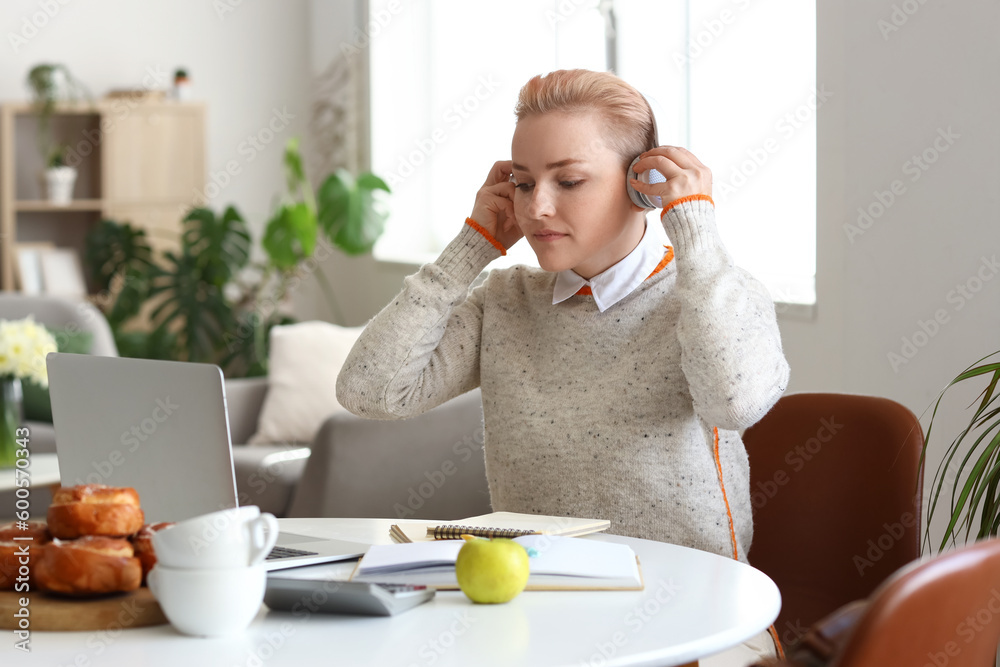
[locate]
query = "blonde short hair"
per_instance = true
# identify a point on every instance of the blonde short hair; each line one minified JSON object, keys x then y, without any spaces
{"x":629,"y":118}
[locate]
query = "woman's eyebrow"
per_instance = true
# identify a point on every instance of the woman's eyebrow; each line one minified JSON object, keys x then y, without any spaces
{"x":551,"y":165}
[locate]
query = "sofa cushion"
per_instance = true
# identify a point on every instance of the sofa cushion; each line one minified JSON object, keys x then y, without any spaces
{"x":303,"y":365}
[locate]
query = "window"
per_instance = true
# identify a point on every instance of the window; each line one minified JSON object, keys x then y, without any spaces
{"x":732,"y":80}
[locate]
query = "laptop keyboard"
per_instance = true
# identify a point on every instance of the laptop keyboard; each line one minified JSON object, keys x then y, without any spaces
{"x":285,"y":552}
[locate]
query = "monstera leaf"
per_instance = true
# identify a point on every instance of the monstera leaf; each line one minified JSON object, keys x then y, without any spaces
{"x":193,"y":308}
{"x":290,"y":236}
{"x":219,"y":245}
{"x":112,"y":247}
{"x":350,"y":212}
{"x":119,"y":249}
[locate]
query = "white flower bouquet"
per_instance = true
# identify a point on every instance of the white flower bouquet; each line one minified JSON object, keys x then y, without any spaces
{"x":23,"y":347}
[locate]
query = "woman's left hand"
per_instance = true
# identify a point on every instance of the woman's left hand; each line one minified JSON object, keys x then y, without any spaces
{"x":685,"y":174}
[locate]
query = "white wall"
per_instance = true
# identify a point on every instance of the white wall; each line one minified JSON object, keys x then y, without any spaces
{"x":894,"y":91}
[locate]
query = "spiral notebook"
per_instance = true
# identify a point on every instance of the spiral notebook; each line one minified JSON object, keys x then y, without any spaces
{"x":559,"y":563}
{"x":497,"y":524}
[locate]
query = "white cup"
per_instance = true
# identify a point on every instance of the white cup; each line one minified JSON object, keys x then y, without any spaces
{"x":209,"y":603}
{"x":226,"y":539}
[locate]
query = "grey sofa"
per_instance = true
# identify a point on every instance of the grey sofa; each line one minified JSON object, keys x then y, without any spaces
{"x":429,"y":466}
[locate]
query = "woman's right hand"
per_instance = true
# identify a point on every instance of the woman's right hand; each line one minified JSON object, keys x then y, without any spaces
{"x":494,"y":207}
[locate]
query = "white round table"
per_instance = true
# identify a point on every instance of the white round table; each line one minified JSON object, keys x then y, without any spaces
{"x":694,"y":604}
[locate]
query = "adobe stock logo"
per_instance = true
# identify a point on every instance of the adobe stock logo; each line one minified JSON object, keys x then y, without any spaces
{"x":883,"y":544}
{"x":796,"y":460}
{"x":899,"y":17}
{"x":959,"y":297}
{"x":915,"y":167}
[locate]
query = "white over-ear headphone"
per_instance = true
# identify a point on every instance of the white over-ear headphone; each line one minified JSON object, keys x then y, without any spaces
{"x":649,"y":176}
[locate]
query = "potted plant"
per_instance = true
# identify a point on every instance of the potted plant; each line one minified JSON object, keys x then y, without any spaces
{"x":346,"y":209}
{"x":210,"y":302}
{"x":50,"y":84}
{"x":59,"y":177}
{"x":972,"y":488}
{"x":182,"y":85}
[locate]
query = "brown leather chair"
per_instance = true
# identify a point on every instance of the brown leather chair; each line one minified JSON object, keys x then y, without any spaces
{"x":945,"y":611}
{"x":836,"y":487}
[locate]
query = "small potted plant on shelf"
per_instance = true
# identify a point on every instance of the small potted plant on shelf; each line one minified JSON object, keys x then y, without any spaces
{"x":59,"y":177}
{"x":51,"y":84}
{"x":182,"y":85}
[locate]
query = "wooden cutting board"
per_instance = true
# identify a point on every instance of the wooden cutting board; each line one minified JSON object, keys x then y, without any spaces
{"x":48,"y":612}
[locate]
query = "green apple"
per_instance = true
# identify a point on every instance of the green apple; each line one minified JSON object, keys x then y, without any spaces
{"x":492,"y":571}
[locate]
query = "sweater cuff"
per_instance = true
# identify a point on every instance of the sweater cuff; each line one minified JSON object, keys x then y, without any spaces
{"x":690,"y":224}
{"x":489,"y":237}
{"x":467,"y":255}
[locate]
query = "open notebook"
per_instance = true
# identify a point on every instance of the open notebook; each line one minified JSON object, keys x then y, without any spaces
{"x":560,"y":563}
{"x":501,"y":521}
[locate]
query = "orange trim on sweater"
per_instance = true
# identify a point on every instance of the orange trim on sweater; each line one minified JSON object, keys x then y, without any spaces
{"x":732,"y":536}
{"x":678,"y":202}
{"x":667,"y":257}
{"x":725,"y":498}
{"x":489,"y":237}
{"x":777,"y":642}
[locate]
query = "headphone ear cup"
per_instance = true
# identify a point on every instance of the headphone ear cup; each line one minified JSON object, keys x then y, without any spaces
{"x":650,"y":175}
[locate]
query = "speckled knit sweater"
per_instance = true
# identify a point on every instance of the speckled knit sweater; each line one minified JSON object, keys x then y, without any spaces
{"x":609,"y":415}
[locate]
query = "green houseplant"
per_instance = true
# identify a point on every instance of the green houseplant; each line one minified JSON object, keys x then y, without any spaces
{"x":345,"y":209}
{"x":50,"y":83}
{"x":210,"y":302}
{"x":973,"y":499}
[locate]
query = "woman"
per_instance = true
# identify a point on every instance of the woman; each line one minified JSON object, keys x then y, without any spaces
{"x":616,"y":377}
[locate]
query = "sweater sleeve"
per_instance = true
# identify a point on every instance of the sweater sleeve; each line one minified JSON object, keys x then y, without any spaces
{"x":730,"y":344}
{"x":422,"y":349}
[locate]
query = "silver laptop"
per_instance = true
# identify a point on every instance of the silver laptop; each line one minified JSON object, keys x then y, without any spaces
{"x":161,"y":427}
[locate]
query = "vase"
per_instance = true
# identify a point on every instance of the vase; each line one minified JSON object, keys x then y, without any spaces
{"x":11,"y":417}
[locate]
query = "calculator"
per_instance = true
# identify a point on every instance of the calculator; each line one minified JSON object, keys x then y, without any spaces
{"x":305,"y":596}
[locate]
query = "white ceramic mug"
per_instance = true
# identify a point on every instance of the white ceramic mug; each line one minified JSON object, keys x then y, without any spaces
{"x":209,"y":603}
{"x":226,"y":539}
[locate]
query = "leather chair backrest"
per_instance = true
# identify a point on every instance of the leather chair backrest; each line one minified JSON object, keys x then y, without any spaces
{"x":945,"y":611}
{"x":836,"y":490}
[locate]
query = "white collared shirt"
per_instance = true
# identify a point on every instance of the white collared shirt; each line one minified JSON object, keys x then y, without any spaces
{"x":618,"y":281}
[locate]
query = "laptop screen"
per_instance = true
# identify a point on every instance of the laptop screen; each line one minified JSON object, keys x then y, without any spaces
{"x":158,"y":426}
